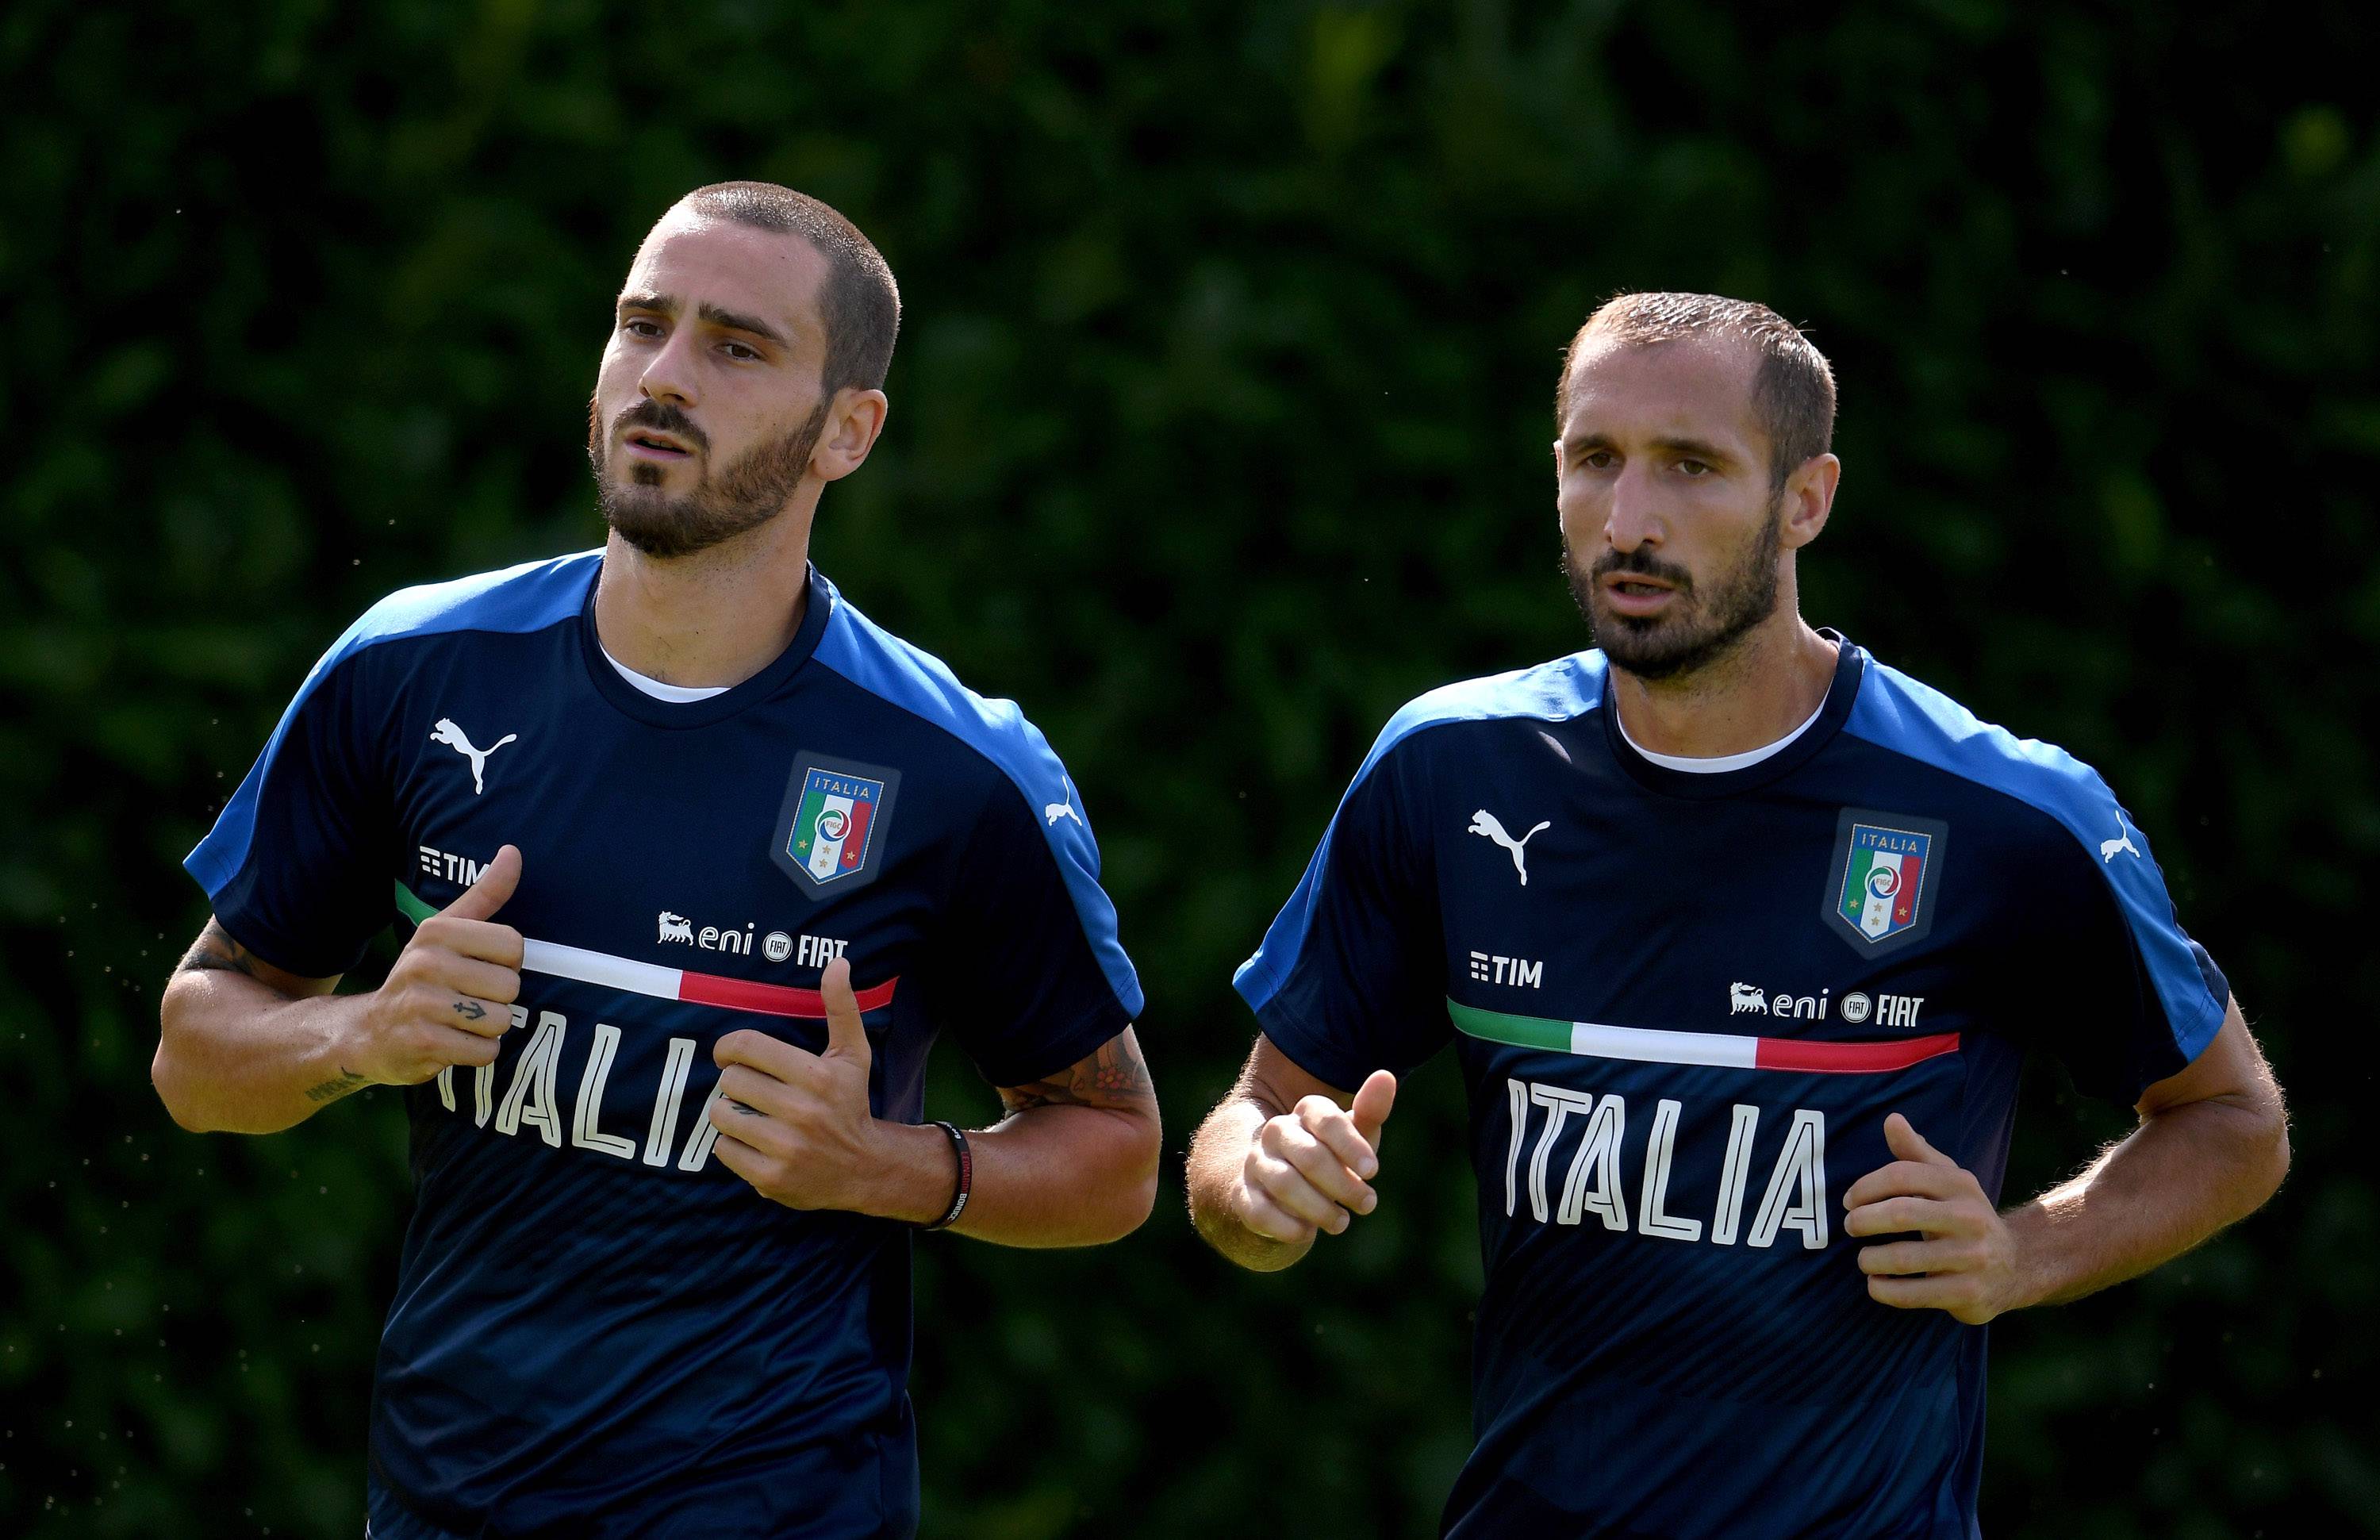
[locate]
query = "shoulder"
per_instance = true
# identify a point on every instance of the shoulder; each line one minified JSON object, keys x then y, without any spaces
{"x":916,"y":681}
{"x":1559,"y":690}
{"x":529,"y":597}
{"x":515,"y":600}
{"x":1907,"y":717}
{"x":1900,"y":715}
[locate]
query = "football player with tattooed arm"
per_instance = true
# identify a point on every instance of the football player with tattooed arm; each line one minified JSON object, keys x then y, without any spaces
{"x":1740,"y":938}
{"x":696,"y":862}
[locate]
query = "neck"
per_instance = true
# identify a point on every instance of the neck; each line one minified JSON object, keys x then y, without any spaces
{"x":715,"y":618}
{"x":1755,"y":693}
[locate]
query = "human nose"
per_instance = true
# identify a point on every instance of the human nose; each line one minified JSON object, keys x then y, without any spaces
{"x":1632,"y":519}
{"x":669,"y":373}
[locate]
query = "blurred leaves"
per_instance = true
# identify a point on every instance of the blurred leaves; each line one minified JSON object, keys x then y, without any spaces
{"x":1220,"y":430}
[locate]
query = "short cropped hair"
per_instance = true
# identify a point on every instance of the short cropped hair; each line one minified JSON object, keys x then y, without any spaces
{"x":859,"y":305}
{"x":1792,"y":392}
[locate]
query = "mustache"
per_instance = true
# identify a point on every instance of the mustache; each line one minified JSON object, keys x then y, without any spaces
{"x":663,"y":417}
{"x":1641,"y":563}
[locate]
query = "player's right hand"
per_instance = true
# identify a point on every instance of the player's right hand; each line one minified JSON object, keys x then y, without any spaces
{"x":1310,"y":1169}
{"x":448,"y":998}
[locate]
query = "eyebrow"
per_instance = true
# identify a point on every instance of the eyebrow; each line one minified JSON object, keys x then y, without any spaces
{"x":733,"y":320}
{"x":1695,"y":449}
{"x":1692,"y":449}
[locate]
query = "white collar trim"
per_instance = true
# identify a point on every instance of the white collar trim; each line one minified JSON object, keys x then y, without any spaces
{"x":1718,"y":764}
{"x":676,"y":693}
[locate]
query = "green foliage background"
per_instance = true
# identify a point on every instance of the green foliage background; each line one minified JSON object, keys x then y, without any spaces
{"x":1220,"y":430}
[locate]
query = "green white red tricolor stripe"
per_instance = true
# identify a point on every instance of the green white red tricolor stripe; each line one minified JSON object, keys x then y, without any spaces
{"x":1719,"y":1050}
{"x":631,"y":977}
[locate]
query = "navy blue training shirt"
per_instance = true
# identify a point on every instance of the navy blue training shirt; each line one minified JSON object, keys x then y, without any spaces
{"x":1684,"y":1004}
{"x":600,"y":1330}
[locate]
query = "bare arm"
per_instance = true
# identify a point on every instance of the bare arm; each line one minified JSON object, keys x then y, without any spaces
{"x":1283,"y":1157}
{"x":244,"y":1047}
{"x":1073,"y":1164}
{"x":2212,"y":1145}
{"x":1075,"y":1161}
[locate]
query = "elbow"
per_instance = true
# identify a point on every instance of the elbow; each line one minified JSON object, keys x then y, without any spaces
{"x":170,"y":1076}
{"x":1136,"y":1192}
{"x":2270,"y":1140}
{"x":2259,"y":1153}
{"x":171,"y":1090}
{"x":1141,"y":1202}
{"x":1131,"y":1185}
{"x":2275,"y":1152}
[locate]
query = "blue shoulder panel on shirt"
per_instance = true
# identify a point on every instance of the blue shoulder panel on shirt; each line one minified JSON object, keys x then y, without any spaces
{"x":1899,"y":713}
{"x":922,"y":684}
{"x":1556,"y":691}
{"x":526,"y":598}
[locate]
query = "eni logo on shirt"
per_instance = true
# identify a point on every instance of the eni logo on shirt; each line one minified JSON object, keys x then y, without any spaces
{"x":677,"y":927}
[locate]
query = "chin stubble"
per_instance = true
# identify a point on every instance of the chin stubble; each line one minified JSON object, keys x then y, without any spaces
{"x":748,"y":494}
{"x":1677,"y":645}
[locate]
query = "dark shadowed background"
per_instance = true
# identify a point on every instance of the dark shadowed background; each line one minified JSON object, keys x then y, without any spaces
{"x":1220,"y":428}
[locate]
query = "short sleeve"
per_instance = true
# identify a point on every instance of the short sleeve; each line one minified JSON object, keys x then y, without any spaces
{"x":1350,"y":975}
{"x":2111,"y":983}
{"x":1026,"y":969}
{"x":293,"y":866}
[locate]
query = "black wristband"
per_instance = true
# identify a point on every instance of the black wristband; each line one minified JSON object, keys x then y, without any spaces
{"x":966,"y":1177}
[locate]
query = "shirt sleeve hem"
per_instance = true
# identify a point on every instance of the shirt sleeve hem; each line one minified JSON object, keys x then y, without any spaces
{"x":2196,"y":1041}
{"x":1100,"y":1024}
{"x":1307,"y":1050}
{"x":2200,"y":1035}
{"x":242,"y":925}
{"x":2187,"y":1047}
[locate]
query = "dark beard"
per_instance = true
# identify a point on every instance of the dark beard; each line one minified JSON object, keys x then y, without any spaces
{"x":745,"y":496}
{"x":1697,"y":631}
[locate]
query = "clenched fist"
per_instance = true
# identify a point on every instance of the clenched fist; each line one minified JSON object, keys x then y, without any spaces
{"x":449,"y":997}
{"x":1310,"y":1169}
{"x":1963,"y":1259}
{"x":796,"y":1124}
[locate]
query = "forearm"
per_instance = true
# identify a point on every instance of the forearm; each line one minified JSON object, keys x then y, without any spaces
{"x":237,"y":1056}
{"x":1218,"y":1158}
{"x":2182,"y":1176}
{"x":1053,"y":1176}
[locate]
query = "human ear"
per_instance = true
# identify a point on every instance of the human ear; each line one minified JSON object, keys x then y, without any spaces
{"x":1810,"y":498}
{"x":853,"y":422}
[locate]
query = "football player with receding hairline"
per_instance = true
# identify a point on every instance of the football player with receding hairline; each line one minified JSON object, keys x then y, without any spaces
{"x":1739,"y":937}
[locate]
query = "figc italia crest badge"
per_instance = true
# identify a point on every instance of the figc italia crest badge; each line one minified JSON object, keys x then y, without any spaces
{"x":1886,"y":878}
{"x":833,"y":826}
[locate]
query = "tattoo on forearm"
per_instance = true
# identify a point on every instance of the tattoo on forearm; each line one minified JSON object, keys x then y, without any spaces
{"x":332,"y":1090}
{"x":215,"y":952}
{"x":469,"y":1010}
{"x":1114,"y":1076}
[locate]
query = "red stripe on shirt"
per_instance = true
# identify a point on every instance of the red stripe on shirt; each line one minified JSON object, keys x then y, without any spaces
{"x":1785,"y":1053}
{"x":772,"y":999}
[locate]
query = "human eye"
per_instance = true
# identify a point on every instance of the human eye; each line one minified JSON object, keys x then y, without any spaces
{"x":740,"y":352}
{"x":1598,"y":459}
{"x":1693,"y":469}
{"x":641,"y":326}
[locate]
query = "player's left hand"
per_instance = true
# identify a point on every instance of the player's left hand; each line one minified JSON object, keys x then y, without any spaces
{"x":1964,"y":1260}
{"x":796,"y":1125}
